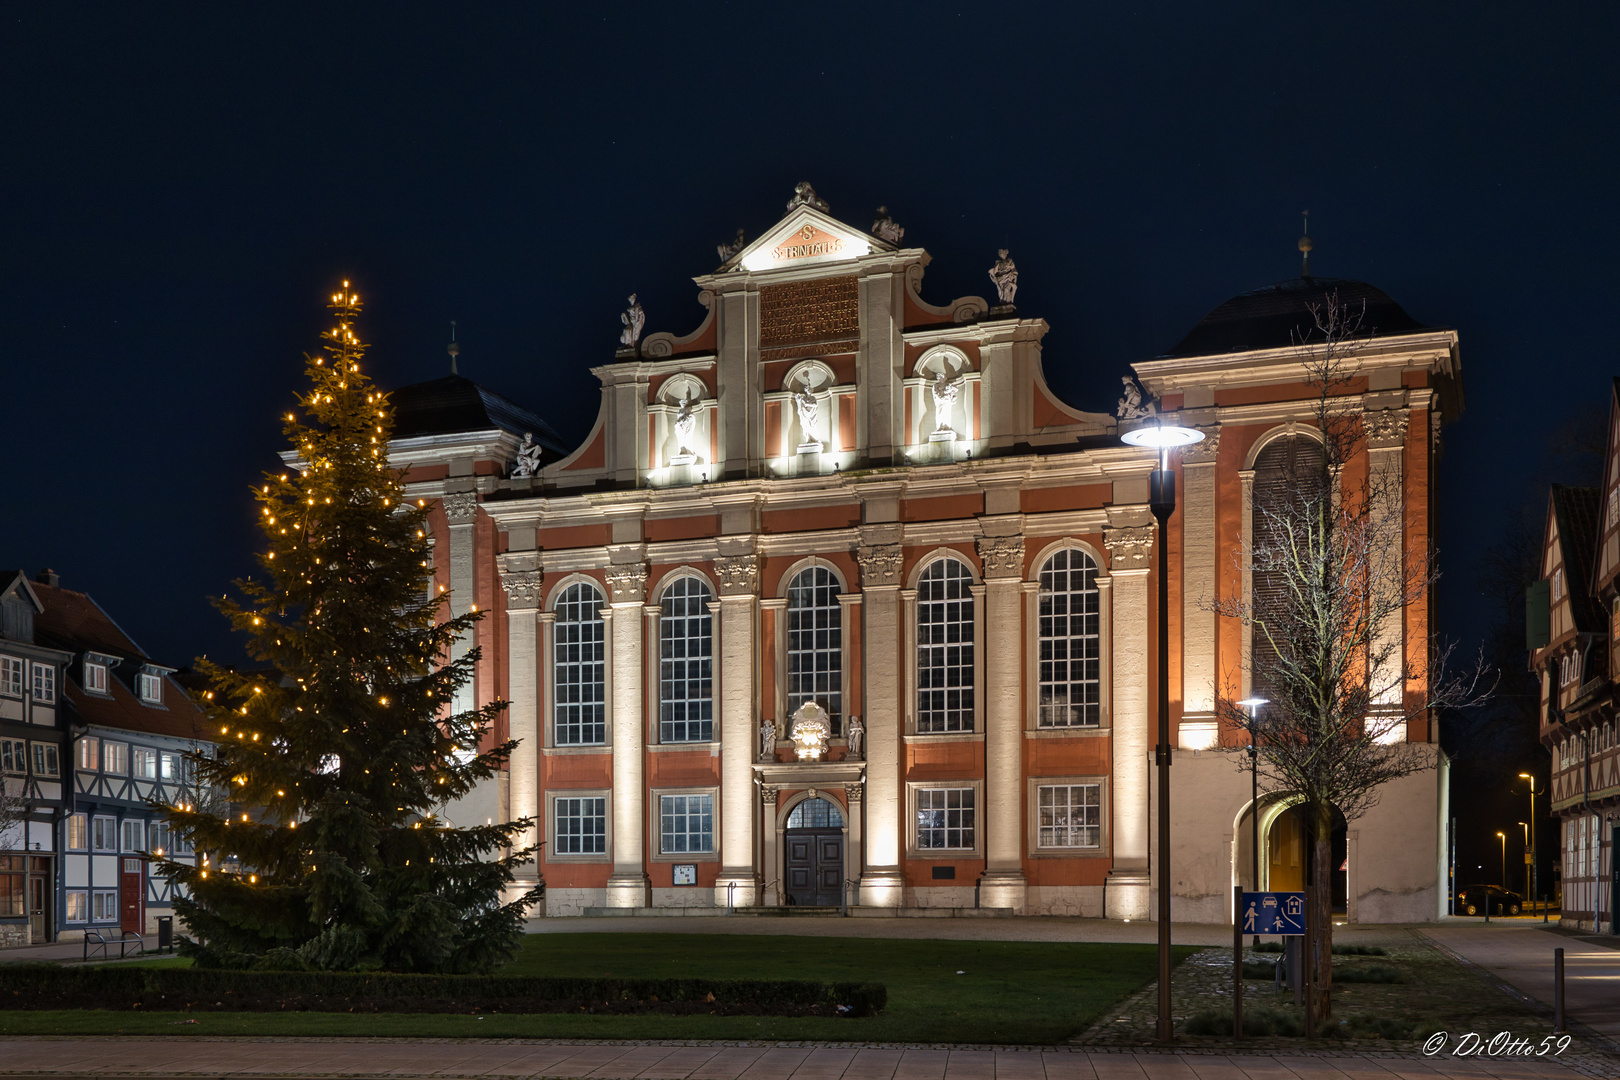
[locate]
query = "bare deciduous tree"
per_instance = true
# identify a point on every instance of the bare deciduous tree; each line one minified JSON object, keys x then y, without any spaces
{"x":1339,"y":573}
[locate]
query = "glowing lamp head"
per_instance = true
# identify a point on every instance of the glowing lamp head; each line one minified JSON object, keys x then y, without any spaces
{"x":1254,"y":702}
{"x":1163,"y":436}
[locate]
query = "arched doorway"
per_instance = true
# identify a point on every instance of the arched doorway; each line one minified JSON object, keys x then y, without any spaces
{"x":814,"y":853}
{"x":1287,"y":853}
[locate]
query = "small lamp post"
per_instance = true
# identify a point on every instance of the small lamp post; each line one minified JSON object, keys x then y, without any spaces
{"x":1253,"y":705}
{"x":1162,"y":502}
{"x":1503,"y":837}
{"x":1534,"y":884}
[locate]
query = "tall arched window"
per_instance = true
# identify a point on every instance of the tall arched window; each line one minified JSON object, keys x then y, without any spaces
{"x":1286,"y":473}
{"x":579,"y":675}
{"x":1070,"y":644}
{"x":686,"y":659}
{"x":945,"y":648}
{"x":815,"y":643}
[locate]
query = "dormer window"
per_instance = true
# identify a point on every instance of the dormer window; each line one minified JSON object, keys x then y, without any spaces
{"x":150,"y":688}
{"x":95,"y":676}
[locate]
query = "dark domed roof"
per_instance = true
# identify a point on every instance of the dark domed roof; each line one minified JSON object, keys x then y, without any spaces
{"x":455,"y":404}
{"x":1276,"y":316}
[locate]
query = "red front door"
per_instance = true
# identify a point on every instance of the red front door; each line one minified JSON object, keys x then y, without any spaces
{"x":132,"y":895}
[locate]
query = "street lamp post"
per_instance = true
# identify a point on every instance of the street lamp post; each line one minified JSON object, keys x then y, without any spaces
{"x":1531,"y":783}
{"x":1162,"y":502}
{"x":1503,"y":837}
{"x":1253,"y":705}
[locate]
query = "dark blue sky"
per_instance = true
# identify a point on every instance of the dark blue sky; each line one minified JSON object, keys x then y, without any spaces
{"x":183,"y":185}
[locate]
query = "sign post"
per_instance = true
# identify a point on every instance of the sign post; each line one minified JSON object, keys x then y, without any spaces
{"x":1237,"y":962}
{"x":1282,"y":914}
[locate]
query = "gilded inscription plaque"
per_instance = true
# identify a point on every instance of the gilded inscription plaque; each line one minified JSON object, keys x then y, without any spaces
{"x":802,"y":311}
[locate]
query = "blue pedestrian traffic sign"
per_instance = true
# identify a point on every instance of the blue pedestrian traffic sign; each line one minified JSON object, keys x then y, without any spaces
{"x":1274,"y":913}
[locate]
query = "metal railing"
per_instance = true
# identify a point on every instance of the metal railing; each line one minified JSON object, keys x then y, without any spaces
{"x":93,"y":939}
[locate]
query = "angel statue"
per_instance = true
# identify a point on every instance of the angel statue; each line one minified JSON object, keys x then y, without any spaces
{"x":527,"y":462}
{"x":633,"y":319}
{"x":855,"y":737}
{"x":944,"y":390}
{"x":729,"y":251}
{"x":767,"y":739}
{"x":1131,"y":405}
{"x":804,"y":400}
{"x":686,"y":422}
{"x":1005,"y":275}
{"x":885,"y":229}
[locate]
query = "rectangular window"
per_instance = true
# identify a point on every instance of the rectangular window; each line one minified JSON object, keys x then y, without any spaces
{"x":579,"y":679}
{"x":945,"y":667}
{"x":45,"y":761}
{"x":95,"y":677}
{"x":945,"y":819}
{"x":12,"y":880}
{"x":78,"y":832}
{"x":1558,"y":584}
{"x":89,"y":758}
{"x":115,"y":757}
{"x":44,"y":683}
{"x":11,"y":676}
{"x":169,"y":766}
{"x":687,"y":824}
{"x":104,"y":907}
{"x":1070,"y":816}
{"x":815,"y":644}
{"x":145,"y":763}
{"x":581,"y":826}
{"x":13,"y":757}
{"x":686,"y":656}
{"x":150,"y":687}
{"x":133,"y":833}
{"x":1069,"y":625}
{"x":103,"y":834}
{"x":78,"y":906}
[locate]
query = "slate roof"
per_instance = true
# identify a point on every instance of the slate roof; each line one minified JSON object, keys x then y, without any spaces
{"x":1576,"y":511}
{"x":455,"y":404}
{"x":1272,"y":317}
{"x":74,"y":622}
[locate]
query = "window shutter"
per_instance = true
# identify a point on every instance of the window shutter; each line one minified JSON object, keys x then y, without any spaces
{"x":1537,"y":614}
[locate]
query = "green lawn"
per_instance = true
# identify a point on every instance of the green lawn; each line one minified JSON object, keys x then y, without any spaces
{"x":1007,"y":992}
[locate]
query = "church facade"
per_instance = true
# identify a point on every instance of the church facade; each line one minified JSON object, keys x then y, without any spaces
{"x":838,"y":603}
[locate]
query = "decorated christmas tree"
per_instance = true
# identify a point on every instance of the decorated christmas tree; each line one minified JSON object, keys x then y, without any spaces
{"x":341,"y":753}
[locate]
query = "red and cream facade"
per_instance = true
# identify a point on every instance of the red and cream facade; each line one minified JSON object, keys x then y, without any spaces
{"x":828,"y":451}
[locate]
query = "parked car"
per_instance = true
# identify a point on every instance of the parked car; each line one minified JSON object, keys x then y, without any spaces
{"x":1502,"y":901}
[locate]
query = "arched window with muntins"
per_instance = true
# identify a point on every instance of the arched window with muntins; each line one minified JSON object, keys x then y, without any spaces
{"x":579,"y":669}
{"x":945,"y":648}
{"x":1070,"y":643}
{"x":1286,"y":471}
{"x":685,"y":663}
{"x":815,"y":814}
{"x":815,"y":643}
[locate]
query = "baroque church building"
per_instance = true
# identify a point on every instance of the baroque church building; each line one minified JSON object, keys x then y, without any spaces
{"x":837,"y":602}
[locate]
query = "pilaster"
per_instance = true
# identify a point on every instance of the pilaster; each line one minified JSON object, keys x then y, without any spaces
{"x":627,"y":585}
{"x":521,"y":580}
{"x":1199,"y":728}
{"x":881,"y":881}
{"x":1003,"y":884}
{"x":738,"y":577}
{"x":1130,"y":551}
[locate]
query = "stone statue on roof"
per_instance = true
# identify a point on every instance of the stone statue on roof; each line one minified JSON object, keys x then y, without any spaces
{"x":527,"y":462}
{"x":633,"y":319}
{"x":1005,"y":275}
{"x":729,"y":251}
{"x":1133,"y":404}
{"x":805,"y":195}
{"x":885,"y":229}
{"x":809,"y":408}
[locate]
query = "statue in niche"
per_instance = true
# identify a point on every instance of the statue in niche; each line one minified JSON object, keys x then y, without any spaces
{"x":884,"y":227}
{"x":1005,"y":275}
{"x":527,"y":462}
{"x":767,"y":739}
{"x":855,"y":736}
{"x":686,"y":422}
{"x":1133,"y":405}
{"x":729,"y":251}
{"x":633,"y":319}
{"x":809,"y":408}
{"x":945,"y":391}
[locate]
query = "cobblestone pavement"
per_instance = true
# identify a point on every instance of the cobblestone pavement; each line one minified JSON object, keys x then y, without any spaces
{"x":356,"y":1058}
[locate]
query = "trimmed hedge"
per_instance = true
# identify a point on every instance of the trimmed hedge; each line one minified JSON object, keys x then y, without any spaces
{"x":48,"y":986}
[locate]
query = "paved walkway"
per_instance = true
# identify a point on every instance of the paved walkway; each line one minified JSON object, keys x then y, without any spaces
{"x":186,"y":1057}
{"x":1522,"y":956}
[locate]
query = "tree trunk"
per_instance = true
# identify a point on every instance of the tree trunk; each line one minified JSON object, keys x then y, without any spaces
{"x":1320,"y":926}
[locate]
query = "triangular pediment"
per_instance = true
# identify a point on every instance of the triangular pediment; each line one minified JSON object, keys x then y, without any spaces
{"x":806,"y":236}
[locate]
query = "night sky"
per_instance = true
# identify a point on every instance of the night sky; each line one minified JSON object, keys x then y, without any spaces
{"x":184,"y":184}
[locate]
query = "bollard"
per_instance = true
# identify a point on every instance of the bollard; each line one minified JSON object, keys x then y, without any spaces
{"x":1558,"y":991}
{"x":1237,"y":962}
